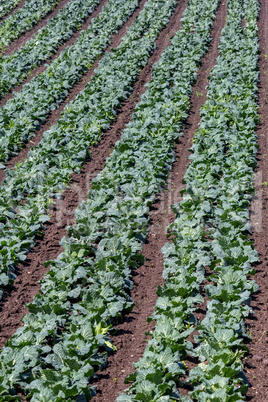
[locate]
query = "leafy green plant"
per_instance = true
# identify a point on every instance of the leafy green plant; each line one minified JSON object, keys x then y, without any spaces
{"x":210,"y":231}
{"x":222,"y":331}
{"x":65,"y":336}
{"x":28,"y":109}
{"x":64,"y":147}
{"x":24,"y":19}
{"x":14,"y":68}
{"x":7,"y":5}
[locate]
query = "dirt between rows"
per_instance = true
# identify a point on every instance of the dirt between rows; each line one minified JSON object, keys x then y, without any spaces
{"x":21,"y":4}
{"x":38,"y":70}
{"x":32,"y":270}
{"x":130,"y":338}
{"x":54,"y":115}
{"x":17,"y":43}
{"x":256,"y":364}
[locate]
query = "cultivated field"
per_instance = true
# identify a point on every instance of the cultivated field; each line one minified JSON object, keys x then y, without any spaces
{"x":133,"y":200}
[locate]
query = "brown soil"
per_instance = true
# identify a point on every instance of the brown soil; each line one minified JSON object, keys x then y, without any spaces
{"x":256,"y":365}
{"x":21,"y":4}
{"x":38,"y":70}
{"x":62,"y":214}
{"x":54,"y":115}
{"x":14,"y":45}
{"x":130,"y":338}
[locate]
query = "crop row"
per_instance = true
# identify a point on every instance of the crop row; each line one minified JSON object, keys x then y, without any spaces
{"x":66,"y":333}
{"x":23,"y":20}
{"x":210,"y":236}
{"x":222,"y":332}
{"x":23,"y":115}
{"x":14,"y":68}
{"x":8,"y":5}
{"x":64,"y":147}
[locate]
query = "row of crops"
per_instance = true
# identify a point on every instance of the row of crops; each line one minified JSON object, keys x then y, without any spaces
{"x":54,"y":356}
{"x":7,"y":5}
{"x":24,"y":20}
{"x":64,"y":147}
{"x":29,"y":108}
{"x":99,"y":277}
{"x":210,"y":237}
{"x":14,"y":68}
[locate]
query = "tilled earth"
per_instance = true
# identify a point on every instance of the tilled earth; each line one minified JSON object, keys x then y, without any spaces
{"x":129,"y":336}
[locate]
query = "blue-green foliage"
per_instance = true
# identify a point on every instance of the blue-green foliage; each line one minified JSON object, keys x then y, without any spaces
{"x":65,"y":336}
{"x":64,"y":147}
{"x":7,"y":5}
{"x":211,"y":232}
{"x":29,"y":108}
{"x":24,"y":19}
{"x":228,"y":122}
{"x":14,"y":68}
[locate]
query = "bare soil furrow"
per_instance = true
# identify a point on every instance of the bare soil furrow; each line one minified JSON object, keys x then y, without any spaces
{"x":62,"y":213}
{"x":256,"y":364}
{"x":21,"y":4}
{"x":130,"y":338}
{"x":54,"y":115}
{"x":43,"y":67}
{"x":14,"y":45}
